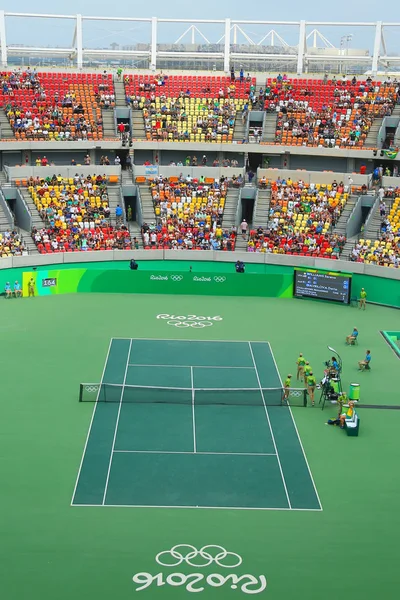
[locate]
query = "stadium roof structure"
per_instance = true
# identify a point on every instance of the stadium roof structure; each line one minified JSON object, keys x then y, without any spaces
{"x":263,"y":50}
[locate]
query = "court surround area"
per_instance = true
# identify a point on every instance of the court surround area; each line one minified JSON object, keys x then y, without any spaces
{"x":195,"y":424}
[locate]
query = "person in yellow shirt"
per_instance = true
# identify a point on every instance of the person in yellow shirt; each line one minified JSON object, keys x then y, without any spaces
{"x":301,"y":361}
{"x":311,"y":385}
{"x":363,"y":299}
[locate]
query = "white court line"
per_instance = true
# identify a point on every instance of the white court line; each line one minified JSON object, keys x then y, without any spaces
{"x":297,"y":431}
{"x":188,"y":366}
{"x":191,"y":340}
{"x":193,"y":410}
{"x":270,"y":426}
{"x":195,"y":452}
{"x":195,"y":507}
{"x":92,"y":419}
{"x":117,"y":423}
{"x":387,"y":342}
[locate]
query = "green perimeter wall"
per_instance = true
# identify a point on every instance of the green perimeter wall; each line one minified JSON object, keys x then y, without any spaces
{"x":175,"y":277}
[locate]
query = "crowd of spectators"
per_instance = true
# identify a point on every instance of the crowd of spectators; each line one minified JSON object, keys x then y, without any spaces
{"x":179,"y":119}
{"x":45,"y":107}
{"x":281,"y":241}
{"x":300,"y":220}
{"x":384,"y":251}
{"x":11,"y":244}
{"x":188,"y":215}
{"x":189,"y":108}
{"x":76,"y":215}
{"x":325,"y":112}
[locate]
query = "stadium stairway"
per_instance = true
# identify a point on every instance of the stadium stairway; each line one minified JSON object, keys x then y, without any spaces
{"x":107,"y":115}
{"x":148,"y":213}
{"x":114,"y":198}
{"x":396,"y":113}
{"x":138,"y":131}
{"x":373,"y":228}
{"x":230,"y":210}
{"x":5,"y":127}
{"x":119,"y":94}
{"x":269,"y":128}
{"x":239,"y":131}
{"x":340,"y":227}
{"x":37,"y":220}
{"x":261,"y":208}
{"x":134,"y":230}
{"x":28,"y":241}
{"x":372,"y":136}
{"x":4,"y":222}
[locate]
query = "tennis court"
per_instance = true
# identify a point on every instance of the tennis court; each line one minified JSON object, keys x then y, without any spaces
{"x":192,"y":424}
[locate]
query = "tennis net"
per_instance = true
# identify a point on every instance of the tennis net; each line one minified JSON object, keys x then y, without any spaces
{"x":109,"y":392}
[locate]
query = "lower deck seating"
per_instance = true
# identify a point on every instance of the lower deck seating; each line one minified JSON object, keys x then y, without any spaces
{"x":11,"y":244}
{"x":76,"y":215}
{"x":188,"y":215}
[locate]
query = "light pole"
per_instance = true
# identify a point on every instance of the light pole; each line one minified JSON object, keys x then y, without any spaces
{"x":345,"y":40}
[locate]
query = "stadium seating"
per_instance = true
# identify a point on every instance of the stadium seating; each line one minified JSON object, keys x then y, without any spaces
{"x":188,"y":215}
{"x":11,"y":244}
{"x":386,"y":250}
{"x":76,"y":216}
{"x":200,"y":109}
{"x":313,"y":112}
{"x":300,"y":219}
{"x":55,"y":106}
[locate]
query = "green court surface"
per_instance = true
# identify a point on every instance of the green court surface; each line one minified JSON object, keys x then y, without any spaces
{"x":195,"y":424}
{"x":52,"y":549}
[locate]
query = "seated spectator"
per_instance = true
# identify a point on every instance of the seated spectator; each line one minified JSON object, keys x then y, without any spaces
{"x":76,"y":215}
{"x":11,"y":244}
{"x":188,"y":215}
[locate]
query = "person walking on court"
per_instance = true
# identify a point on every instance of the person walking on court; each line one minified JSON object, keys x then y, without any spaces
{"x":301,"y":361}
{"x":311,"y":384}
{"x":307,"y":371}
{"x":286,"y":387}
{"x":363,"y":299}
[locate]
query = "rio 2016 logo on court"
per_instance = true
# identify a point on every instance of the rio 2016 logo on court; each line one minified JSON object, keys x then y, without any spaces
{"x":207,"y":556}
{"x":194,"y":321}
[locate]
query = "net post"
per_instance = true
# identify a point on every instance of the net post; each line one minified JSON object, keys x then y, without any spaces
{"x":305,"y":398}
{"x":80,"y":392}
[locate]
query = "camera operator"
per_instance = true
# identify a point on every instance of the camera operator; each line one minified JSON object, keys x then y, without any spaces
{"x":240,"y":266}
{"x":133,"y":265}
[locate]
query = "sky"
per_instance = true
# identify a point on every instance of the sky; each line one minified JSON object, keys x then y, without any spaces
{"x":102,"y":34}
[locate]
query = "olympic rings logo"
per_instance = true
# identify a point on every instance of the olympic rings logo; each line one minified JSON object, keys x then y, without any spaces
{"x":193,"y":324}
{"x":219,"y":279}
{"x":93,"y":388}
{"x":176,"y":277}
{"x":204,"y":557}
{"x":296,"y":393}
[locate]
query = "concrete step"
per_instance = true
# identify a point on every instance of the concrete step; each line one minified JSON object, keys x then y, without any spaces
{"x":107,"y":115}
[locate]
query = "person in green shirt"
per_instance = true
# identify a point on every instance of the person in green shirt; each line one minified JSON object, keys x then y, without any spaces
{"x":363,"y":298}
{"x":311,"y":384}
{"x":301,"y":361}
{"x":307,"y":371}
{"x":287,"y":387}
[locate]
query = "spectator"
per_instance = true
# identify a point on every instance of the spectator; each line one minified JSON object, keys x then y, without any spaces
{"x":118,"y":214}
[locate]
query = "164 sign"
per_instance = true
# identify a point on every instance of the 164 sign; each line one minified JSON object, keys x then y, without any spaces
{"x":189,"y":556}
